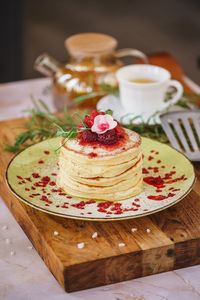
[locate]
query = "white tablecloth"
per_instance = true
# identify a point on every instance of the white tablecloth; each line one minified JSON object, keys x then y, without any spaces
{"x":23,"y":274}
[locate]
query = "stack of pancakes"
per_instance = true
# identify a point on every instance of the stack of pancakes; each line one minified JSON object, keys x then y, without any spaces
{"x":99,"y":173}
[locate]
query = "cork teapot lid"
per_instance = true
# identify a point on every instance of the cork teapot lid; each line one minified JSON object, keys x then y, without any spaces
{"x":90,"y":44}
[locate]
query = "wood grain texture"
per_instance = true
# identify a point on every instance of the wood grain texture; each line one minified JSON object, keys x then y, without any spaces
{"x":173,"y":241}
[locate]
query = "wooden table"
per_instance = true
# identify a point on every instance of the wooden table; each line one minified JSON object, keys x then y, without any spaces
{"x":159,"y":252}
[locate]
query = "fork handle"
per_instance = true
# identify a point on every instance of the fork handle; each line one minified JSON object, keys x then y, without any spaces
{"x":179,"y":92}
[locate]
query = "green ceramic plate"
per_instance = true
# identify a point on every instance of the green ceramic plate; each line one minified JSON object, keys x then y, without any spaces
{"x":168,"y":178}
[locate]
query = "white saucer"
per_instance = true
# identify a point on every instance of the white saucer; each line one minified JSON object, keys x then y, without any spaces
{"x":113,"y":102}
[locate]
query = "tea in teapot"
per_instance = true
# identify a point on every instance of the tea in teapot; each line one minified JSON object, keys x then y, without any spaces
{"x":91,"y":67}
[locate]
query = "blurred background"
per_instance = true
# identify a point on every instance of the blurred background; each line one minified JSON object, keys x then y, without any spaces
{"x":29,"y":28}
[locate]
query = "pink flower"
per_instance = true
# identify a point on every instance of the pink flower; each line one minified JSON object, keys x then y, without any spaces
{"x":103,"y":123}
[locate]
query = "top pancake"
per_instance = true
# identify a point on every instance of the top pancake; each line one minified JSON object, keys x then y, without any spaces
{"x":100,"y":155}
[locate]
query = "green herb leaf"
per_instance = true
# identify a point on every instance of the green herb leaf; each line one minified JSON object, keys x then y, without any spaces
{"x":109,"y":112}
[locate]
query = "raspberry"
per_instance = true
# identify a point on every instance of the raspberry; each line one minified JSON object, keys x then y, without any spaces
{"x":108,"y":138}
{"x":88,"y":136}
{"x":88,"y":122}
{"x":119,"y":131}
{"x":89,"y":119}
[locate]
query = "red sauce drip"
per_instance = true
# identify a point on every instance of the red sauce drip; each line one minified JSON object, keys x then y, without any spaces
{"x":115,"y":208}
{"x":92,"y":155}
{"x":154,"y":169}
{"x":56,"y":190}
{"x":43,"y":183}
{"x":176,"y":190}
{"x":150,"y":157}
{"x":135,"y":204}
{"x":160,"y":197}
{"x":64,"y":206}
{"x":175,"y":179}
{"x":52,"y":183}
{"x":45,"y":179}
{"x":145,"y":171}
{"x":137,"y":200}
{"x":35,"y":175}
{"x":28,"y":179}
{"x":171,"y":188}
{"x":79,"y":205}
{"x":154,"y":181}
{"x":45,"y":199}
{"x":103,"y":206}
{"x":40,"y":162}
{"x":171,"y":195}
{"x":20,"y":177}
{"x":90,"y":202}
{"x":46,"y":152}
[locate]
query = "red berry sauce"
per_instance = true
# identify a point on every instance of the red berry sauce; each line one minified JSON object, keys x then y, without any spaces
{"x":110,"y":139}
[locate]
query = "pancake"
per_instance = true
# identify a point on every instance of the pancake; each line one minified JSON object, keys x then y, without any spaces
{"x":93,"y":170}
{"x":99,"y":172}
{"x":112,"y":197}
{"x":120,"y":186}
{"x":106,"y":181}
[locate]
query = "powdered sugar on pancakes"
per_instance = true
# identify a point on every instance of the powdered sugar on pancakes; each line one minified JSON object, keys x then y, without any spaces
{"x":94,"y":152}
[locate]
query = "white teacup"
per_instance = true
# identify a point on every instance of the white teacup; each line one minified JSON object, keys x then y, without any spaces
{"x":143,"y":89}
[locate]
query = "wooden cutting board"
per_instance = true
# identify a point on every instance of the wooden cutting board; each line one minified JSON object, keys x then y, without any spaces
{"x":173,"y":241}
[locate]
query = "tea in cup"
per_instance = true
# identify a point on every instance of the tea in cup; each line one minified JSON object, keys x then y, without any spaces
{"x":143,"y":89}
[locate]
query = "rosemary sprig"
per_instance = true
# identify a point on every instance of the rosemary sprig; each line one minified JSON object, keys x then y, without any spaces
{"x":69,"y":134}
{"x":41,"y":124}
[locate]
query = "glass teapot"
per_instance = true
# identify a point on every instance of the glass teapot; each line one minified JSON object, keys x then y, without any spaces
{"x":91,"y":67}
